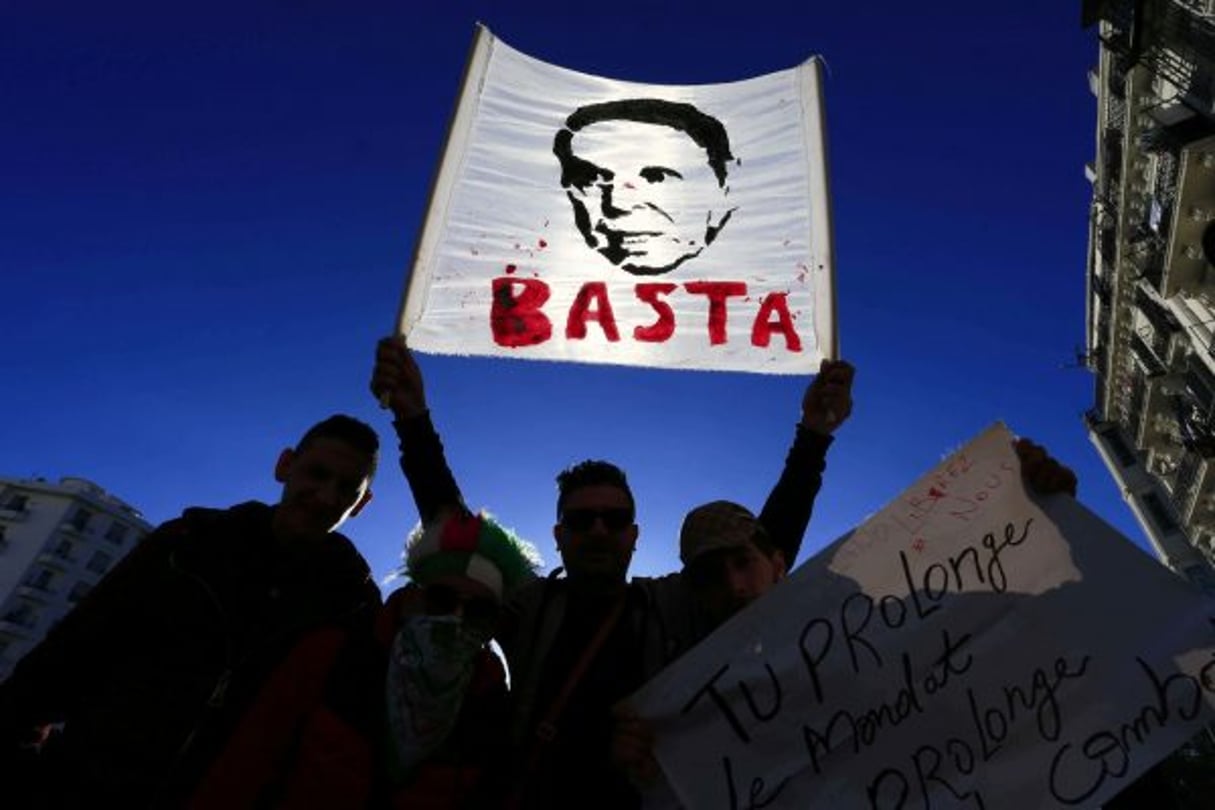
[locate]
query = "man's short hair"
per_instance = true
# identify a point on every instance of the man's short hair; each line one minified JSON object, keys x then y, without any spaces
{"x":704,"y":129}
{"x":353,"y":432}
{"x":591,"y":473}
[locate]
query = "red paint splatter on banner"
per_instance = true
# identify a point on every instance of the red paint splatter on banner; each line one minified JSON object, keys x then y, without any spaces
{"x":542,"y":244}
{"x":510,"y":268}
{"x":919,"y":544}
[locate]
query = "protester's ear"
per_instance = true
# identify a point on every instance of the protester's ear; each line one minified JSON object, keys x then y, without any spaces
{"x":363,"y":501}
{"x":282,"y":467}
{"x":779,"y":567}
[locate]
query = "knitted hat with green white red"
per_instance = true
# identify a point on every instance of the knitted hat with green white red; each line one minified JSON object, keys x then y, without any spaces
{"x":475,"y":546}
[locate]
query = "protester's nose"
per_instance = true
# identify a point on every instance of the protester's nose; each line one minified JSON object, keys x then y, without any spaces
{"x":328,"y":493}
{"x":598,"y":526}
{"x":737,"y":582}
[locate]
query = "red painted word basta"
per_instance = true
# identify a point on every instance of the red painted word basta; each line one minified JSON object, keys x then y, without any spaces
{"x":518,"y":317}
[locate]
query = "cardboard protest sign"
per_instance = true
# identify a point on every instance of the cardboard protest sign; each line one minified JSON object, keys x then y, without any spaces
{"x":965,"y":647}
{"x":576,"y":217}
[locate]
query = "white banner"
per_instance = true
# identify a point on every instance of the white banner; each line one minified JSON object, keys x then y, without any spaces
{"x":965,"y":647}
{"x":581,"y":218}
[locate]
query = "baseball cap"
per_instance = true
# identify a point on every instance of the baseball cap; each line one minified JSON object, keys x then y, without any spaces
{"x":714,"y":526}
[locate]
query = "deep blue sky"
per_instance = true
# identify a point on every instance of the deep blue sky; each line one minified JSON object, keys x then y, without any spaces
{"x":206,"y":217}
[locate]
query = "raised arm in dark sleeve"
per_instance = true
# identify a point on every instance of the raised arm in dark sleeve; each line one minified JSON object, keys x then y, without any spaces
{"x":397,"y":382}
{"x":826,"y":405}
{"x":786,"y":513}
{"x":425,"y":466}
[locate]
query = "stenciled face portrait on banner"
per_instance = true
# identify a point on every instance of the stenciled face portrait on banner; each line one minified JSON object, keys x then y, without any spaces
{"x":646,"y":179}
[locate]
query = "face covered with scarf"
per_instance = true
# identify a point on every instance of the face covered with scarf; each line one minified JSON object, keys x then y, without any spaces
{"x":461,"y":567}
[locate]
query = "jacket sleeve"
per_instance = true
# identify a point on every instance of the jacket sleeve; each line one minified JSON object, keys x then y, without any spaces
{"x":425,"y":466}
{"x":786,"y":513}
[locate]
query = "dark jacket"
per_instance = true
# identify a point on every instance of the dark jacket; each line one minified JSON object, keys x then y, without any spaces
{"x":150,"y":674}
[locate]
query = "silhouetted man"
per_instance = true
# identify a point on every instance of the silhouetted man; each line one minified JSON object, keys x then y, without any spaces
{"x":153,"y":671}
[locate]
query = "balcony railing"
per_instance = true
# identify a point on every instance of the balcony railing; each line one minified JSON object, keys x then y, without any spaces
{"x":1134,"y":403}
{"x":1147,"y":359}
{"x":1186,"y":489}
{"x":1168,"y":38}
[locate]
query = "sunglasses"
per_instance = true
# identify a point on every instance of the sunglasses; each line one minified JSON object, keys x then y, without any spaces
{"x":444,"y":600}
{"x":582,"y":520}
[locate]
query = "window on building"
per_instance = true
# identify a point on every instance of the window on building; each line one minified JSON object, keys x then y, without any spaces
{"x":116,"y":533}
{"x":1159,"y":512}
{"x":99,"y":562}
{"x":78,"y":592}
{"x":1125,"y":455}
{"x":80,"y":520}
{"x":22,"y":614}
{"x":17,"y":502}
{"x":63,"y":550}
{"x":41,"y":579}
{"x":3,"y":537}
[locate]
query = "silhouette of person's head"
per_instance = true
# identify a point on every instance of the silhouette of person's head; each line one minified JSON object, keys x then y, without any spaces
{"x":647,"y":180}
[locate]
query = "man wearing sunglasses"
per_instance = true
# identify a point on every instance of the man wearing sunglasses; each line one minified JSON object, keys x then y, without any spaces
{"x":576,"y":645}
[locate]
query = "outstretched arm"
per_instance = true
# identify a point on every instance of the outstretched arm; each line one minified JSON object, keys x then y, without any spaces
{"x":826,"y":405}
{"x":397,"y":379}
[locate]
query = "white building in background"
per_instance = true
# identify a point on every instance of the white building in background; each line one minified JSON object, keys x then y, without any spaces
{"x":56,"y":542}
{"x":1151,"y":269}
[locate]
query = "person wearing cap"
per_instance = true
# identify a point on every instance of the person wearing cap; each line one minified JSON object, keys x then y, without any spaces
{"x":578,"y":644}
{"x":446,"y":689}
{"x":729,"y":561}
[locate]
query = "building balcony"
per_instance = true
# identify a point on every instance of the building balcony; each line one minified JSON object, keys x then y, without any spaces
{"x":13,"y":514}
{"x":15,"y":628}
{"x":1186,"y":269}
{"x":35,"y":592}
{"x":1132,"y":407}
{"x":1155,"y":431}
{"x":56,"y":560}
{"x":1195,"y":486}
{"x":1200,"y":387}
{"x":1145,"y":358}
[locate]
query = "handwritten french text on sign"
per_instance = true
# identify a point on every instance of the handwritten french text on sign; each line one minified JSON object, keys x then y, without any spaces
{"x":962,"y":648}
{"x":581,"y":218}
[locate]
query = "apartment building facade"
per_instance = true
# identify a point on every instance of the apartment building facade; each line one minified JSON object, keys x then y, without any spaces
{"x":1151,"y":279}
{"x":56,"y":541}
